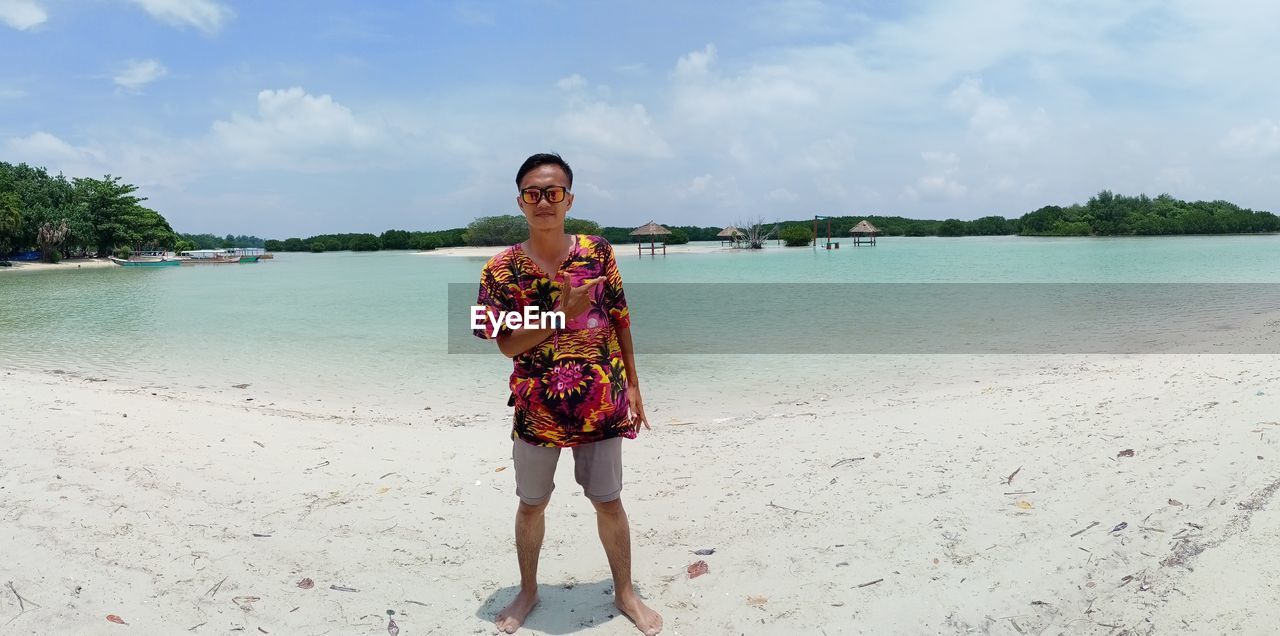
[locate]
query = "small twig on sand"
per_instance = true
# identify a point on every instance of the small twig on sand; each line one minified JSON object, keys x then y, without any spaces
{"x":418,"y":603}
{"x":343,"y":588}
{"x":213,"y":591}
{"x":22,"y":607}
{"x":1021,"y":492}
{"x":847,"y":460}
{"x":195,"y":627}
{"x":21,"y":601}
{"x":868,"y":583}
{"x":1009,"y":480}
{"x":774,"y":505}
{"x":1082,"y":530}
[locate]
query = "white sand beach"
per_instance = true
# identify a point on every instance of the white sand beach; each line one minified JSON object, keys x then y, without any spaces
{"x":885,"y":495}
{"x":68,"y":264}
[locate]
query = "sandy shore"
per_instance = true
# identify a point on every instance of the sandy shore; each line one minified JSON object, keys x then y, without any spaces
{"x":885,"y":496}
{"x":68,"y":264}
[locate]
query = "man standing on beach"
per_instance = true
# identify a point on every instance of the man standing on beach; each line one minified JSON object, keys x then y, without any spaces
{"x":574,"y":387}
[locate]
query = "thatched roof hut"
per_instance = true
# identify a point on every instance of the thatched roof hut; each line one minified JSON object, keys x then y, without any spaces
{"x":864,"y":231}
{"x":730,"y":232}
{"x":864,"y":228}
{"x":650,"y":229}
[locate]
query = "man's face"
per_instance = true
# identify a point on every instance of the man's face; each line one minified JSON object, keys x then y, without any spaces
{"x":545,"y":215}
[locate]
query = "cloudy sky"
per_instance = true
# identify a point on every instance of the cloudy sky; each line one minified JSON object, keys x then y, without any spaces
{"x":295,"y":117}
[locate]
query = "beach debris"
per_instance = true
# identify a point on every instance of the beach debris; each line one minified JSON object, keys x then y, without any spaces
{"x":392,"y":628}
{"x":260,"y":444}
{"x":1082,"y":530}
{"x":1120,"y":526}
{"x":697,"y":569}
{"x":870,"y":583}
{"x":757,"y":601}
{"x":112,"y":618}
{"x":847,"y":460}
{"x":343,"y":588}
{"x":240,"y":386}
{"x":246,"y":602}
{"x":1174,"y":502}
{"x":875,"y":455}
{"x":1021,"y":492}
{"x":793,"y":510}
{"x":306,"y":584}
{"x":1024,"y":504}
{"x":499,"y":469}
{"x":383,"y":490}
{"x":213,"y":591}
{"x":1128,"y":452}
{"x":263,"y":631}
{"x":705,"y":551}
{"x":261,"y":535}
{"x":1009,"y":480}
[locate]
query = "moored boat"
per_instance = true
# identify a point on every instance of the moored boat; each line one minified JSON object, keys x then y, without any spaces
{"x":145,"y":262}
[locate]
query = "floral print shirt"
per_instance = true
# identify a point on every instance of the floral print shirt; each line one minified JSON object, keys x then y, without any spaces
{"x":571,"y":388}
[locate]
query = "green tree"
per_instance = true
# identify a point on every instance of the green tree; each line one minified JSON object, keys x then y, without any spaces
{"x":364,"y":243}
{"x":497,"y":230}
{"x":425,"y":242}
{"x":582,"y":226}
{"x":395,"y":240}
{"x":677,"y":237}
{"x":951,"y":227}
{"x":108,"y":203}
{"x":10,"y":222}
{"x":294,"y":245}
{"x":796,"y":235}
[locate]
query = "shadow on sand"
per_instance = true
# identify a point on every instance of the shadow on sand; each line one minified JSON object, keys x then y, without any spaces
{"x":561,"y":609}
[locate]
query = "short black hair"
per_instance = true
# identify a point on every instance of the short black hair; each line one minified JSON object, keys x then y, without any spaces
{"x":543,"y":159}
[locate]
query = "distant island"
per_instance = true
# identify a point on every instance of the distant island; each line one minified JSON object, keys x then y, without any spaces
{"x":56,"y":217}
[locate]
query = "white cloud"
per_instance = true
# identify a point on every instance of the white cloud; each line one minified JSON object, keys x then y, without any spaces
{"x":572,"y":83}
{"x":22,"y":14}
{"x":696,"y":63}
{"x":48,"y":150}
{"x":207,"y":15}
{"x":625,"y":130}
{"x":296,"y":130}
{"x":1261,"y":139}
{"x":940,"y":157}
{"x":139,"y":73}
{"x":991,"y":118}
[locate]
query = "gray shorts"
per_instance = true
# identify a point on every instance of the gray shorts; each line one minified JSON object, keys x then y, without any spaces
{"x":597,"y":467}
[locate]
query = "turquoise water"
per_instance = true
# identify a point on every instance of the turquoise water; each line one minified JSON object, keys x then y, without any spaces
{"x":374,"y":323}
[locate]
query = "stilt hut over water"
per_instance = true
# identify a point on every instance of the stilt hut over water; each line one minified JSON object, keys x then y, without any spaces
{"x":864,"y":232}
{"x":653,"y":231}
{"x":730,"y":235}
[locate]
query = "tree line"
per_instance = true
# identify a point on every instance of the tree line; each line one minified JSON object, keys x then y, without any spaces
{"x":61,"y":217}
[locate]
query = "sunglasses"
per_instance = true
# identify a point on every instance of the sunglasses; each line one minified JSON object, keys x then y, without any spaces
{"x":553,"y":194}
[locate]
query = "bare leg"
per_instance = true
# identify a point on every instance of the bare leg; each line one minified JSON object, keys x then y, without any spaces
{"x":615,"y":534}
{"x":530,"y":527}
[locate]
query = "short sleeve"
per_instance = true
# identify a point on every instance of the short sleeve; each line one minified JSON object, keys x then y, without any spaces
{"x":491,"y":301}
{"x":613,"y":300}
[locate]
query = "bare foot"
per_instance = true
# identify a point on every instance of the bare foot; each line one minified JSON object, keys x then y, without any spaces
{"x":646,"y":620}
{"x":510,"y":619}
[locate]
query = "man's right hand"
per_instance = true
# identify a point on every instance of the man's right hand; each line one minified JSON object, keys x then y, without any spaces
{"x":574,"y":301}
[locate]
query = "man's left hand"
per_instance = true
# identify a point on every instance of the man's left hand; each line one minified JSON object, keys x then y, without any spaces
{"x":636,"y":405}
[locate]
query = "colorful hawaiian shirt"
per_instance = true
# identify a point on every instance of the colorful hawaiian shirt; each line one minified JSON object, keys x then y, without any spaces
{"x":570,"y":389}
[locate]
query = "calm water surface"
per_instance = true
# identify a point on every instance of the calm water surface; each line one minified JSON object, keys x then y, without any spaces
{"x":374,"y":324}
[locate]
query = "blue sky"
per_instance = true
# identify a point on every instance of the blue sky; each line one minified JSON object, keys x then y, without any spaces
{"x":290,"y":118}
